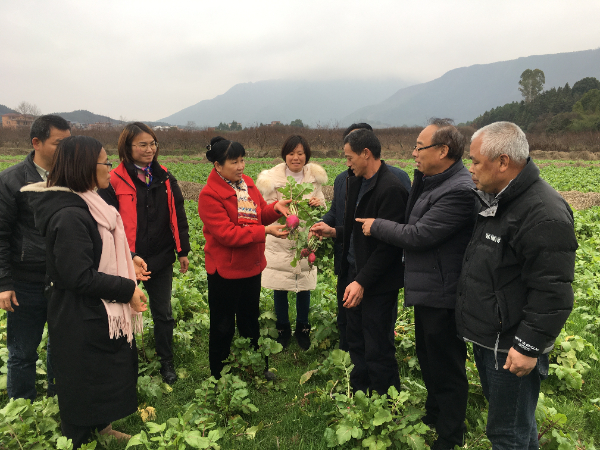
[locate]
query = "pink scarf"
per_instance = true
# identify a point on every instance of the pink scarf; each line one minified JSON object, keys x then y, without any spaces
{"x":115,"y":260}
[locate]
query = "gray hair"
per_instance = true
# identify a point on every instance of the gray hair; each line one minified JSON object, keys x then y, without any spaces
{"x":448,"y":135}
{"x":503,"y":138}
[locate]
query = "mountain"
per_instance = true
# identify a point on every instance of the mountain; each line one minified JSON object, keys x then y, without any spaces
{"x":314,"y":102}
{"x":6,"y":110}
{"x":465,"y":93}
{"x":86,"y":117}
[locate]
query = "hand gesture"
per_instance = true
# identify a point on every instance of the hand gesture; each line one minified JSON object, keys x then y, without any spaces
{"x":321,"y":229}
{"x":141,"y":269}
{"x":138,"y":300}
{"x":277,"y":230}
{"x":184,"y":263}
{"x":282,"y":207}
{"x":314,"y":202}
{"x":353,"y":295}
{"x":366,"y":225}
{"x":7,"y":299}
{"x":518,"y":363}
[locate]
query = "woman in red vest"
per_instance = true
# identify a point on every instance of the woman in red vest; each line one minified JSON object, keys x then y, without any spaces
{"x":236,"y":222}
{"x":151,"y":204}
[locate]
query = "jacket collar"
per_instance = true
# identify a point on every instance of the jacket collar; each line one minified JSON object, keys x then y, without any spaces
{"x":439,"y":178}
{"x":221,"y":187}
{"x":31,"y":173}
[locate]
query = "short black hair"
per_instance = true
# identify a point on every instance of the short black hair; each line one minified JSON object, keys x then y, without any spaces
{"x":291,"y":143}
{"x":361,"y":139}
{"x":357,"y":126}
{"x":40,"y":128}
{"x":447,"y":134}
{"x":221,"y":149}
{"x":75,"y":162}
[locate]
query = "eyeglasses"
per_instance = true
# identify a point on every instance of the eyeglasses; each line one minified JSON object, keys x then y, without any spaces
{"x":107,"y":163}
{"x":144,"y":145}
{"x":423,"y":148}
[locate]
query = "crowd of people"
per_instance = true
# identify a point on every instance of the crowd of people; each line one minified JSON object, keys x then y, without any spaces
{"x":485,"y":256}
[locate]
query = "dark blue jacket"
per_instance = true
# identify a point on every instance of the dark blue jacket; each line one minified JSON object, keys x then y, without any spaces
{"x":335,"y":216}
{"x":439,"y":221}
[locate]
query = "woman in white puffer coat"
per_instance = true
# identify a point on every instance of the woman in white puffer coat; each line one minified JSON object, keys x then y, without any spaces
{"x":279,"y":275}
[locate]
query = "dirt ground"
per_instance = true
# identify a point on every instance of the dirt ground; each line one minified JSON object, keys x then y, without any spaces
{"x":577,"y":200}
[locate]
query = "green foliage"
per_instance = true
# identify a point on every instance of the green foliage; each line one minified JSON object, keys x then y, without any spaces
{"x":233,"y":126}
{"x":568,"y":368}
{"x":297,"y":123}
{"x":531,"y":84}
{"x":33,"y":426}
{"x":248,"y":362}
{"x":376,"y":422}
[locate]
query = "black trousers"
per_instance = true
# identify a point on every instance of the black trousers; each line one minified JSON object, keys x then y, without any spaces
{"x":228,"y":301}
{"x":78,"y":434}
{"x":370,"y":334}
{"x":341,"y":313}
{"x":159,"y":288}
{"x":442,"y":357}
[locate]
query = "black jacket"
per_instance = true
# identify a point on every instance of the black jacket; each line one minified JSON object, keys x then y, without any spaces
{"x":154,"y":239}
{"x":438,"y":226}
{"x":515,"y":286}
{"x":335,"y":216}
{"x":95,"y":376}
{"x":379,"y":265}
{"x":22,"y":248}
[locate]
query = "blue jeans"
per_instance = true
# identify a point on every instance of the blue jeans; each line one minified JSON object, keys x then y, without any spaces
{"x":24,"y":329}
{"x":512,"y":400}
{"x":280,"y":298}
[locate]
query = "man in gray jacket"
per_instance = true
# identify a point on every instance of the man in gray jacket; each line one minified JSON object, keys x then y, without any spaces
{"x":439,"y":221}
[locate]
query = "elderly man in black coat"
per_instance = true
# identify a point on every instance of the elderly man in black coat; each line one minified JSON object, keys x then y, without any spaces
{"x":439,"y":221}
{"x":372,"y":269}
{"x":514,"y":292}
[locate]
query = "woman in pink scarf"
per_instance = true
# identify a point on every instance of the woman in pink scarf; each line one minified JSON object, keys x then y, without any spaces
{"x":94,"y":304}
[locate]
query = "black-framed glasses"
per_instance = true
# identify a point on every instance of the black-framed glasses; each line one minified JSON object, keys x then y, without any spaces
{"x":423,"y":148}
{"x":107,"y":163}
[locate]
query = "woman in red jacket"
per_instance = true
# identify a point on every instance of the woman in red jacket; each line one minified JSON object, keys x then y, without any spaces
{"x":151,"y":205}
{"x":236,"y":221}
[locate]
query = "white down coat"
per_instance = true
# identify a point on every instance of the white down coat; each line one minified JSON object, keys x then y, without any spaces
{"x":279,"y":275}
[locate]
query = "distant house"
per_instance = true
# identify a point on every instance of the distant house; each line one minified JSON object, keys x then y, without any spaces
{"x":275,"y":123}
{"x":15,"y":120}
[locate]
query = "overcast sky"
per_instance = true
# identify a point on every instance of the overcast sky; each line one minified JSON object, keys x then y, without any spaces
{"x":145,"y":60}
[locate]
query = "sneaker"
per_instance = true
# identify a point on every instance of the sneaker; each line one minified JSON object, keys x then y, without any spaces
{"x":168,"y":372}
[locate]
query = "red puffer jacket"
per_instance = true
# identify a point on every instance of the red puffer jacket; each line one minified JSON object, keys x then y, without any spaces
{"x":233,"y":250}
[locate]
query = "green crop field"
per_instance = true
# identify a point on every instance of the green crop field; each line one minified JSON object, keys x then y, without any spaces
{"x":310,"y":406}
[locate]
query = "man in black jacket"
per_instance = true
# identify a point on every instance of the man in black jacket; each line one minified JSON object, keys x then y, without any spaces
{"x":514,"y":292}
{"x":373,"y":270}
{"x":439,"y":222}
{"x":23,"y":259}
{"x":335,"y":217}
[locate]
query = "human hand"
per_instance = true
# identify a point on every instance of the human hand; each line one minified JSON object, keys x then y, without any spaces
{"x":184,"y":263}
{"x":366,"y":225}
{"x":518,"y":363}
{"x":277,"y":230}
{"x":321,"y":229}
{"x":314,"y":201}
{"x":7,"y":299}
{"x":353,"y":295}
{"x":138,"y":300}
{"x":282,"y":207}
{"x":141,"y":269}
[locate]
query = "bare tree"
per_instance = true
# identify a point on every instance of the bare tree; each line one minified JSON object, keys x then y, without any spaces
{"x":28,"y":108}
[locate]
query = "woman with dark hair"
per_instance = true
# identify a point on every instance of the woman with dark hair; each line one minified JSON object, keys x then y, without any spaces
{"x":150,"y":202}
{"x":236,"y":222}
{"x":94,"y":304}
{"x":279,"y":274}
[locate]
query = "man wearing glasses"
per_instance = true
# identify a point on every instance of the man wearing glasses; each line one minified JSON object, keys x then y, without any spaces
{"x":23,"y":259}
{"x":439,"y":219}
